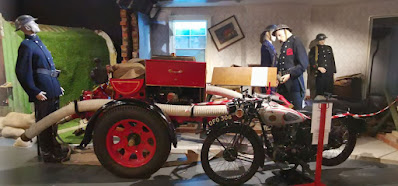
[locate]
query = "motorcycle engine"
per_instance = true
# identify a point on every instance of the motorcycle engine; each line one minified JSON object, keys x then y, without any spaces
{"x":292,"y":142}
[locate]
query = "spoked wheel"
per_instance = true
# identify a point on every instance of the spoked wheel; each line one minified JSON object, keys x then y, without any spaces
{"x":341,"y":143}
{"x":131,"y":142}
{"x":232,"y":155}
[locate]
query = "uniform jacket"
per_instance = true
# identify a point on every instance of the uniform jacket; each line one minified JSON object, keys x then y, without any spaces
{"x":325,"y":59}
{"x":293,"y":60}
{"x":268,"y":54}
{"x":33,"y":54}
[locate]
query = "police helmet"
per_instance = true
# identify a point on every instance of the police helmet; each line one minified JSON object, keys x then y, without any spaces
{"x":321,"y":37}
{"x":280,"y":27}
{"x":22,"y":20}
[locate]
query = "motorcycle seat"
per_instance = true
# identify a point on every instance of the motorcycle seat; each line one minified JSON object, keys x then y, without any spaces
{"x":307,"y":110}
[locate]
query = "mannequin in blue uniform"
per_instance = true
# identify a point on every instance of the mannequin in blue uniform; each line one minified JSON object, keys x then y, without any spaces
{"x":268,"y":52}
{"x":37,"y":75}
{"x":292,"y":63}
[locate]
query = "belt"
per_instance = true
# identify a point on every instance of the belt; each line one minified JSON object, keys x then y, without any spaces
{"x":52,"y":73}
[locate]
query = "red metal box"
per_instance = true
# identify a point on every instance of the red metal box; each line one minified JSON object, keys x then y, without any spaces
{"x":175,"y":73}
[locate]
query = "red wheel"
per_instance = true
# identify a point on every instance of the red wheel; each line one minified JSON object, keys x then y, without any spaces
{"x":130,"y":141}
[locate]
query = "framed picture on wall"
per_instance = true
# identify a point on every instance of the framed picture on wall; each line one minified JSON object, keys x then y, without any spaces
{"x":226,"y":33}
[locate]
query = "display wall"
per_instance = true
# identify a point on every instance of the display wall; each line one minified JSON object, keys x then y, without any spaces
{"x":144,"y":36}
{"x":346,"y":25}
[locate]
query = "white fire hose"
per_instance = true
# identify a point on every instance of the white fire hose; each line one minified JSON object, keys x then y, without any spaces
{"x":95,"y":104}
{"x":214,"y":90}
{"x":194,"y":111}
{"x":84,"y":106}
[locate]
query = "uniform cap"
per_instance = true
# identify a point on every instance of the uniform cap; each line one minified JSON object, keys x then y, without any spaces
{"x":321,"y":37}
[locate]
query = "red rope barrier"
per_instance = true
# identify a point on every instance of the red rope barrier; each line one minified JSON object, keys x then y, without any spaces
{"x":364,"y":115}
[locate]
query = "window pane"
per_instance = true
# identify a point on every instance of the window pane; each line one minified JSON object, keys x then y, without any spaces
{"x":182,"y":28}
{"x":190,"y":38}
{"x":198,"y":42}
{"x":198,"y":31}
{"x":183,"y":32}
{"x":198,"y":28}
{"x":199,"y":54}
{"x":182,"y":42}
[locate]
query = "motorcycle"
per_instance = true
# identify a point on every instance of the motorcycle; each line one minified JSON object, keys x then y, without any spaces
{"x":232,"y":151}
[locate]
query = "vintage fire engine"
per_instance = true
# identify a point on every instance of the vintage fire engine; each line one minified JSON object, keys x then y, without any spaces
{"x":133,"y":133}
{"x":132,"y":122}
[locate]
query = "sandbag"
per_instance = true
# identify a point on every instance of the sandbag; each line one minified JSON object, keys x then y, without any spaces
{"x":24,"y":144}
{"x":130,"y":70}
{"x":10,"y":132}
{"x":1,"y":123}
{"x":19,"y":120}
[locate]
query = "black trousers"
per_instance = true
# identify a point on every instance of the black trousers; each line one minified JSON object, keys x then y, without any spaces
{"x":324,"y":83}
{"x":47,"y":142}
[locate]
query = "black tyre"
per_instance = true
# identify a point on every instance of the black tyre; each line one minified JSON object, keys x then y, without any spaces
{"x":232,"y":155}
{"x":342,"y":142}
{"x":131,"y":142}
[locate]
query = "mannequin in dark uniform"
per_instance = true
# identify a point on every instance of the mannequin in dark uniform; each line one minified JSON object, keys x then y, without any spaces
{"x":37,"y":75}
{"x":322,"y":63}
{"x":268,"y":52}
{"x":292,"y":63}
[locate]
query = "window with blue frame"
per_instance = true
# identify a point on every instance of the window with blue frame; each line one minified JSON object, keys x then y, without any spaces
{"x":190,"y":38}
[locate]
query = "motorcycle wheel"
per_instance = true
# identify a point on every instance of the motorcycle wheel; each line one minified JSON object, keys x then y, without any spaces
{"x":131,"y":142}
{"x":338,"y":154}
{"x":232,"y":155}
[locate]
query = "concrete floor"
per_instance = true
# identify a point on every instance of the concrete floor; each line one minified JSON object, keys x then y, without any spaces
{"x":19,"y":166}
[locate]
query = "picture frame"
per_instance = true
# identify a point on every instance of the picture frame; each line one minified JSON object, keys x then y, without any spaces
{"x":226,"y":33}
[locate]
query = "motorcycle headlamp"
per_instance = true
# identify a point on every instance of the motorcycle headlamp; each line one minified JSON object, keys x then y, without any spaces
{"x":239,"y":113}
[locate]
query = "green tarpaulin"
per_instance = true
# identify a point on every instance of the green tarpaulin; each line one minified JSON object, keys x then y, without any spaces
{"x":73,"y":50}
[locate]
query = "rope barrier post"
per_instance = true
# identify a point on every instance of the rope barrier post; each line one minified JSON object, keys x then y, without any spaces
{"x":318,"y":169}
{"x":325,"y":109}
{"x":324,"y":106}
